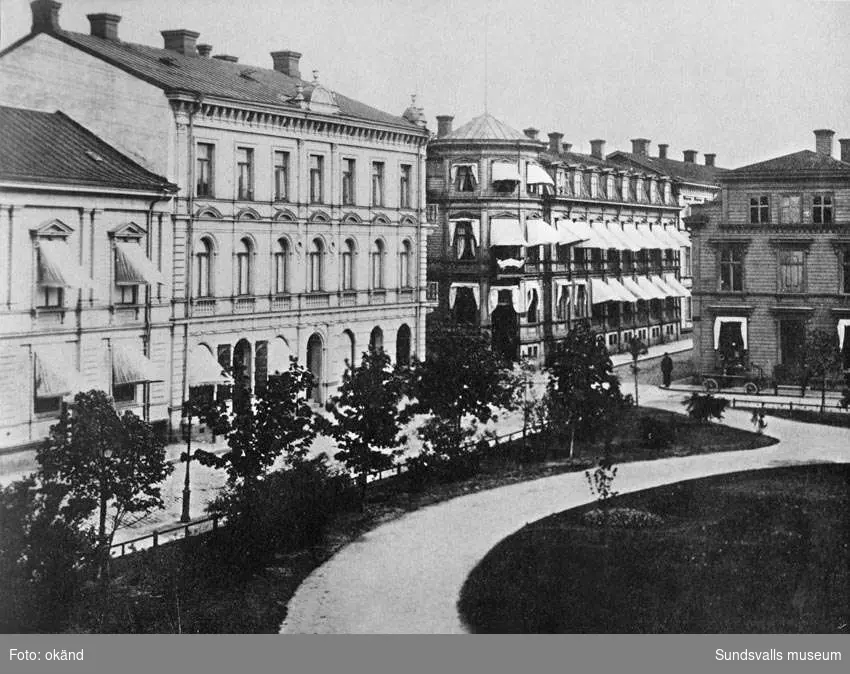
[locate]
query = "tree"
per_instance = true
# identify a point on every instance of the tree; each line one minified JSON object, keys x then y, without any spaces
{"x":279,"y":420}
{"x":365,"y":417}
{"x":822,"y":358}
{"x":583,"y":390}
{"x":461,"y":376}
{"x":535,"y":408}
{"x":107,"y":463}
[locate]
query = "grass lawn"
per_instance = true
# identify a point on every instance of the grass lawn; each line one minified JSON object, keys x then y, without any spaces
{"x":160,"y":592}
{"x":758,"y":552}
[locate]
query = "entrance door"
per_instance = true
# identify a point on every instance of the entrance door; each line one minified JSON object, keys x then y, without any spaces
{"x":792,"y":336}
{"x":505,"y":323}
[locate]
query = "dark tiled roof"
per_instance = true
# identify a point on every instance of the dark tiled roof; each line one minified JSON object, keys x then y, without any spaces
{"x":171,"y":70}
{"x":690,"y":172}
{"x":579,"y":158}
{"x":805,"y":161}
{"x":486,"y":127}
{"x":51,"y":147}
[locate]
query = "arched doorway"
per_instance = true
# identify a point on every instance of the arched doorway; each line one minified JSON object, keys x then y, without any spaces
{"x":376,"y":339}
{"x":314,"y":365}
{"x":242,"y":371}
{"x":402,"y":346}
{"x":350,"y":358}
{"x":505,"y":325}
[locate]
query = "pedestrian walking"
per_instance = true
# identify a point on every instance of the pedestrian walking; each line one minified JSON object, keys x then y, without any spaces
{"x":666,"y":369}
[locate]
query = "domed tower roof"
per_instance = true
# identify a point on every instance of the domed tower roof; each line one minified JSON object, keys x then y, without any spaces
{"x":486,"y":127}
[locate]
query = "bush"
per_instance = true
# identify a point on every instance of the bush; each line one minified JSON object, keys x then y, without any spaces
{"x":703,"y":407}
{"x":656,"y":433}
{"x":287,"y":510}
{"x":626,"y":518}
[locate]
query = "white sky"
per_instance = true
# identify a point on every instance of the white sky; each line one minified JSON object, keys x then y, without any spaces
{"x":746,"y":80}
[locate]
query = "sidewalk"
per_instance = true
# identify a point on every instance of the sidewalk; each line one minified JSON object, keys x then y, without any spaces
{"x":405,"y":576}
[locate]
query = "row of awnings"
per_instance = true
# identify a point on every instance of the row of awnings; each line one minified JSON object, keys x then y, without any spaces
{"x":506,"y":171}
{"x":57,"y":268}
{"x":537,"y":232}
{"x":640,"y":288}
{"x":56,"y":377}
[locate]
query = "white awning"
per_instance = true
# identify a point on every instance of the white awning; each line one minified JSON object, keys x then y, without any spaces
{"x":570,"y":233}
{"x":591,"y":237}
{"x":537,"y":175}
{"x":601,"y":292}
{"x":635,"y":289}
{"x":205,"y":370}
{"x":453,"y":288}
{"x":510,"y":262}
{"x":843,"y":326}
{"x":720,"y":320}
{"x":616,"y":233}
{"x":673,"y":282}
{"x":55,"y":377}
{"x":622,"y":291}
{"x":474,"y":224}
{"x":679,"y":236}
{"x":649,"y":238}
{"x":540,"y":233}
{"x":651,"y":288}
{"x":470,"y":165}
{"x":631,"y":233}
{"x":666,"y":241}
{"x":56,"y":266}
{"x":131,"y":366}
{"x":664,"y":287}
{"x":132,"y":266}
{"x":506,"y":232}
{"x":503,"y":170}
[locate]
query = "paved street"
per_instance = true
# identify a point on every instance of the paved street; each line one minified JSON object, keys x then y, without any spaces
{"x":405,"y":576}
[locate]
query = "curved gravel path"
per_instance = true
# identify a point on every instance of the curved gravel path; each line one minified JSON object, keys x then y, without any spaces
{"x":405,"y":576}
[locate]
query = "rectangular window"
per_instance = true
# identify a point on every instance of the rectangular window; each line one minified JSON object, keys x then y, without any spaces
{"x":731,"y":270}
{"x":822,"y":209}
{"x":464,"y":178}
{"x":128,"y":294}
{"x":317,"y":179}
{"x":281,"y":176}
{"x":348,"y":185}
{"x":245,"y":172}
{"x":759,"y":209}
{"x":123,"y":393}
{"x":792,"y":267}
{"x":46,"y":405}
{"x":51,"y":297}
{"x":377,"y":183}
{"x":581,"y":302}
{"x":686,"y":261}
{"x":845,"y":272}
{"x":404,"y":186}
{"x":789,"y":209}
{"x":205,"y":155}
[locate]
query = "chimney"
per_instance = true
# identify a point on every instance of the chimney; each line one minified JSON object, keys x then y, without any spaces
{"x":823,"y":141}
{"x":567,"y":147}
{"x":204,"y":50}
{"x":45,"y":15}
{"x":709,"y":159}
{"x":640,"y":147}
{"x":286,"y":62}
{"x":104,"y":25}
{"x":181,"y":41}
{"x":555,"y":144}
{"x":531,"y":132}
{"x":845,"y":149}
{"x":662,"y":150}
{"x":227,"y":57}
{"x":444,"y":125}
{"x":597,"y":148}
{"x":690,"y":156}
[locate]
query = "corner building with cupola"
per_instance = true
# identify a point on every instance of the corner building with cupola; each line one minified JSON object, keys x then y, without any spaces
{"x":533,"y":238}
{"x":298,"y":227}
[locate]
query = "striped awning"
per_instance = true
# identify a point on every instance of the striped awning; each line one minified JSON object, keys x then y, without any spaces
{"x":601,"y":292}
{"x":540,"y":233}
{"x":673,"y":282}
{"x":56,"y":266}
{"x":664,"y":287}
{"x":623,"y":292}
{"x":132,"y":267}
{"x":635,"y":289}
{"x":205,"y":370}
{"x":55,"y":377}
{"x":651,"y":289}
{"x":131,"y":366}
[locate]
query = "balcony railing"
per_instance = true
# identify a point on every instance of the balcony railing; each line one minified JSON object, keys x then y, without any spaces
{"x":280,"y":303}
{"x":243,"y":305}
{"x":317,"y":299}
{"x":204,"y":306}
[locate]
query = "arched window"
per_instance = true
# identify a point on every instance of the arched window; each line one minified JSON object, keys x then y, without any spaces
{"x":402,"y":346}
{"x":315,"y":266}
{"x":376,"y":339}
{"x":243,"y":267}
{"x":281,"y":267}
{"x":203,"y":268}
{"x":404,"y":267}
{"x":348,"y":265}
{"x":314,"y":365}
{"x":351,"y":357}
{"x":377,"y":264}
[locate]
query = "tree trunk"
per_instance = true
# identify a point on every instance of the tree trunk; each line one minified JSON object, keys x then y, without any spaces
{"x":635,"y":372}
{"x":572,"y":440}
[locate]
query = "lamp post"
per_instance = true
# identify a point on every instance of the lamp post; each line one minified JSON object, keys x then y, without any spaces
{"x":636,"y":348}
{"x":187,"y":492}
{"x":106,"y":454}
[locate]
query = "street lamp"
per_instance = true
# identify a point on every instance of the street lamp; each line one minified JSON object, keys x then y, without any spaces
{"x":105,"y":455}
{"x":187,"y":492}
